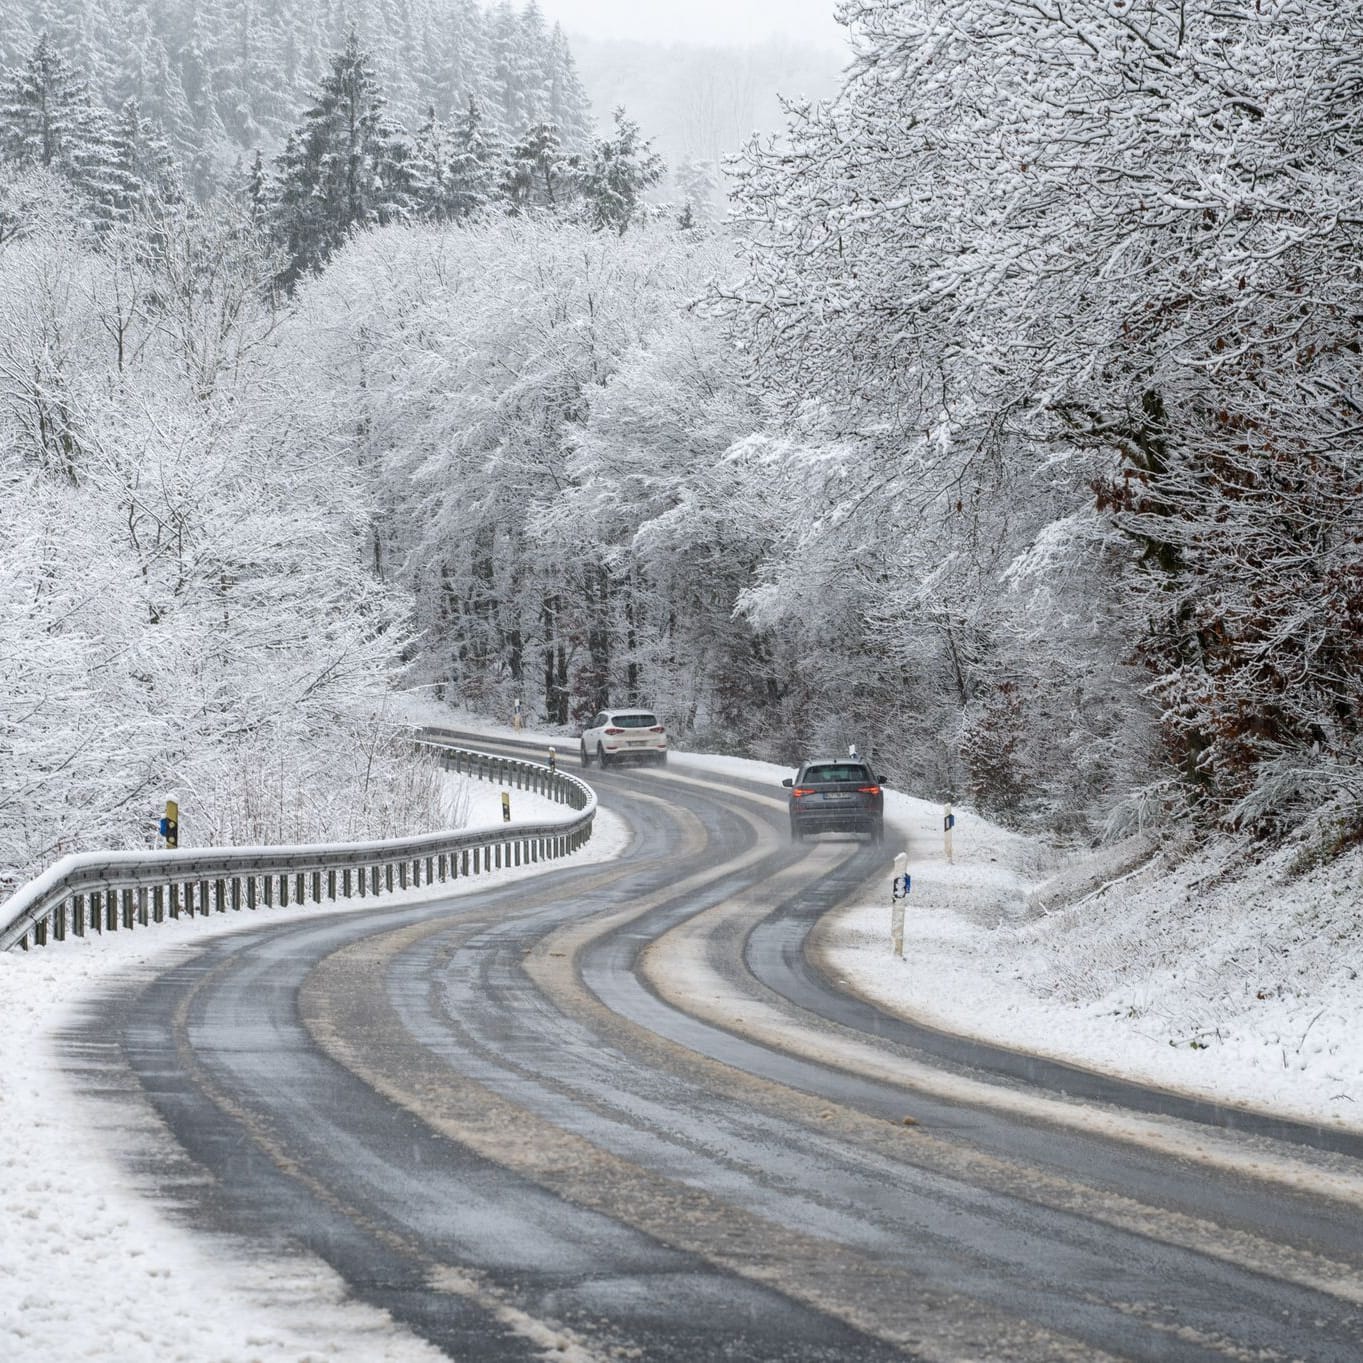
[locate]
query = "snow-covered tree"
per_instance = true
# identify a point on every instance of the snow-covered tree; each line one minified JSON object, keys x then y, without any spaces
{"x":344,"y":168}
{"x":539,"y":174}
{"x":1099,"y":249}
{"x":621,"y":168}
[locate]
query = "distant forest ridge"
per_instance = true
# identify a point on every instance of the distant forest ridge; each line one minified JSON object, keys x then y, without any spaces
{"x":223,"y":78}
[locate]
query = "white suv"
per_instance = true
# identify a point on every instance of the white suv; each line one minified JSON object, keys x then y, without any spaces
{"x":614,"y":735}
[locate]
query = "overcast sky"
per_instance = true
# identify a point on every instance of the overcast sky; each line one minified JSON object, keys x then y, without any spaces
{"x":699,"y":21}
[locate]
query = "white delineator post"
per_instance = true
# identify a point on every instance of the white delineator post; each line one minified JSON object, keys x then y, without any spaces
{"x":948,"y":823}
{"x":901,"y":863}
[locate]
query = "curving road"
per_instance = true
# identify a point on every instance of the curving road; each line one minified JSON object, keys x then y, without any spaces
{"x":621,"y":1111}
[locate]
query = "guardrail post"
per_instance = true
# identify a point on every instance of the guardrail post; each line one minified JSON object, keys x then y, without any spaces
{"x":236,"y":894}
{"x":388,"y":876}
{"x":267,"y":890}
{"x":300,"y":888}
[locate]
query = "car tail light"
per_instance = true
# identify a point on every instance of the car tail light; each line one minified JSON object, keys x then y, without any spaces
{"x":656,"y":729}
{"x":614,"y":732}
{"x":868,"y":790}
{"x":797,"y":791}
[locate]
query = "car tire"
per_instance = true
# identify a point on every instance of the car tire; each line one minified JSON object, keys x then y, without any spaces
{"x":878,"y":831}
{"x":662,"y":759}
{"x":795,"y":834}
{"x":601,"y":757}
{"x":586,"y":756}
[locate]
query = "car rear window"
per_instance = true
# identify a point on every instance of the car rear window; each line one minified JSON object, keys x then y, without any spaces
{"x":635,"y":721}
{"x":841,"y":771}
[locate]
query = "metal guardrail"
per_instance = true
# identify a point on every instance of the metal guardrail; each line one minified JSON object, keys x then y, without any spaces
{"x":105,"y":891}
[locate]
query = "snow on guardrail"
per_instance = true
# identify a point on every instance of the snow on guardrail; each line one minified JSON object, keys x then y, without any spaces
{"x":104,"y":891}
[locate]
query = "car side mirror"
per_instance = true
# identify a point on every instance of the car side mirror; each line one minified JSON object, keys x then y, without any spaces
{"x":789,"y":781}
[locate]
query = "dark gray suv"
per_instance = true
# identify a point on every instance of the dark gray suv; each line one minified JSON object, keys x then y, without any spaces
{"x":836,"y":795}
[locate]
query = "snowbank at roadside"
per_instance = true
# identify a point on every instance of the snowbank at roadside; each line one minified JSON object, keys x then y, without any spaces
{"x":88,"y":1267}
{"x":1238,"y":983}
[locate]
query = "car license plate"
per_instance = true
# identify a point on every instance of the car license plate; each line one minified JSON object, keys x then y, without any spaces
{"x":835,"y":797}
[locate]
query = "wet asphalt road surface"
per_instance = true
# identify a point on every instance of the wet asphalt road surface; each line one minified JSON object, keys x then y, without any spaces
{"x":621,"y":1111}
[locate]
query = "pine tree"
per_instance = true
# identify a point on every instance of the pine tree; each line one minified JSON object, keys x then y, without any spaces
{"x":569,"y":107}
{"x":344,"y":168}
{"x":145,"y":172}
{"x":532,"y":71}
{"x":255,"y":190}
{"x":697,"y":189}
{"x":460,"y":64}
{"x":622,"y":168}
{"x":507,"y":69}
{"x":207,"y":133}
{"x":48,"y":120}
{"x":475,"y":163}
{"x":539,"y":174}
{"x":43,"y":109}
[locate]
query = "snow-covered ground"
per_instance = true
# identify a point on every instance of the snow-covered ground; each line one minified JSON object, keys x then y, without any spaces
{"x":1232,"y":981}
{"x":88,"y":1267}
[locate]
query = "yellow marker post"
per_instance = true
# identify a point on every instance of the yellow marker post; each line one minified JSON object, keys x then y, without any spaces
{"x":170,"y":824}
{"x":506,"y":806}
